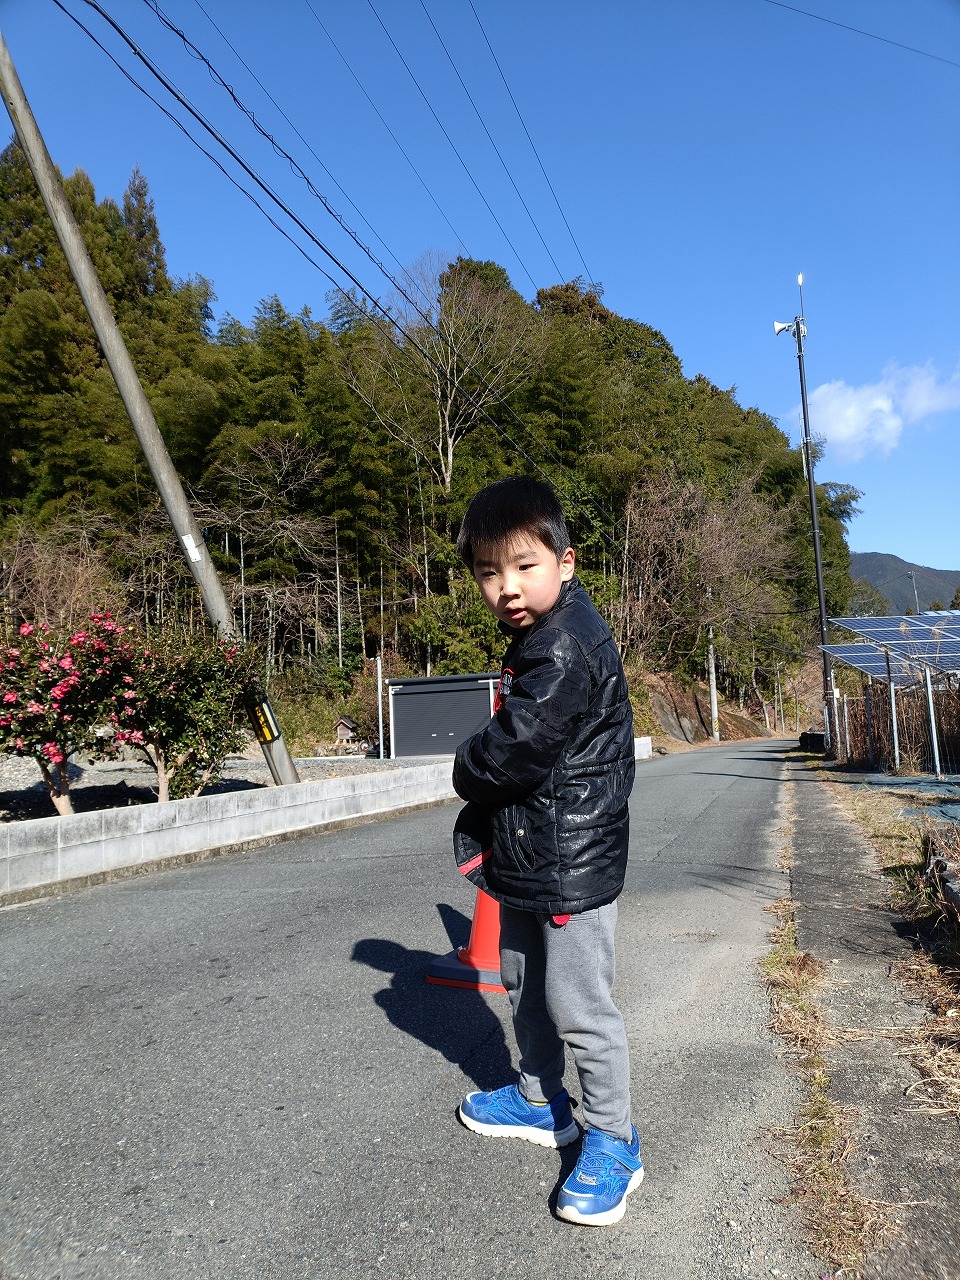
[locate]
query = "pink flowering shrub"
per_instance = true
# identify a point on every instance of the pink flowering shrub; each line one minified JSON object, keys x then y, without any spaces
{"x":54,"y":693}
{"x":177,"y":700}
{"x":181,"y":705}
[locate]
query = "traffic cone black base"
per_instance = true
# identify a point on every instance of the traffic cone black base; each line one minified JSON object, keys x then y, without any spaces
{"x":451,"y":971}
{"x":477,"y":965}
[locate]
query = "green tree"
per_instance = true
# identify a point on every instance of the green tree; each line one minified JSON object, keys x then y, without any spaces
{"x":867,"y":601}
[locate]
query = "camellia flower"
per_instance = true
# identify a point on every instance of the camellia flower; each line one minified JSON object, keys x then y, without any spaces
{"x":66,"y":663}
{"x":26,"y":628}
{"x":10,"y":696}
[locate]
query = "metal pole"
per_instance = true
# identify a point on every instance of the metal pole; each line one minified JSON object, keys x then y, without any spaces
{"x":893,"y":714}
{"x":933,"y":723}
{"x":336,"y":556}
{"x":380,"y":702}
{"x":846,"y":729}
{"x":135,"y":401}
{"x":712,"y":676}
{"x":800,"y":332}
{"x":916,"y":599}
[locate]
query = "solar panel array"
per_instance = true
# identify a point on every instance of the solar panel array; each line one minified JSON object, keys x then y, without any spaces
{"x":913,"y":642}
{"x":873,"y":662}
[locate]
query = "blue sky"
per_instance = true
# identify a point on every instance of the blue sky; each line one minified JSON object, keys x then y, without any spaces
{"x":702,"y":152}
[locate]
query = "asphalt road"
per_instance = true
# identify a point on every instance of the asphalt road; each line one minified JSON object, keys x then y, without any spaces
{"x":235,"y":1070}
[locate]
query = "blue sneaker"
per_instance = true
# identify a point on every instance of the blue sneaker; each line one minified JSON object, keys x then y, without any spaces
{"x":505,"y":1113}
{"x":607,"y":1171}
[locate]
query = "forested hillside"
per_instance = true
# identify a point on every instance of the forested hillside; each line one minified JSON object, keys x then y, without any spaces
{"x":896,"y":578}
{"x":330,"y":461}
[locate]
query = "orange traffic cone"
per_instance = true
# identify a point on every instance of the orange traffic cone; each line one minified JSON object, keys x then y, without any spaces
{"x":477,"y":965}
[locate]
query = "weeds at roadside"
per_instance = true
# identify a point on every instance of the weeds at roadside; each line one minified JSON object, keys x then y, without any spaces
{"x":901,"y":843}
{"x":842,"y":1226}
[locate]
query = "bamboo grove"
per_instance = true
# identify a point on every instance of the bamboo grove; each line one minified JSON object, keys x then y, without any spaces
{"x":330,"y":461}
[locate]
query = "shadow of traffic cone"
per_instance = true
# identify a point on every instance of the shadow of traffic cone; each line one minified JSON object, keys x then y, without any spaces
{"x":477,"y":965}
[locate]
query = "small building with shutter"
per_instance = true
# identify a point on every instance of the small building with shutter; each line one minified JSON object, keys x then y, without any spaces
{"x":432,"y":715}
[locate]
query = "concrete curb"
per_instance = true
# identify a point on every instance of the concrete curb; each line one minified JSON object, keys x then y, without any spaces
{"x":90,"y":848}
{"x":85,"y":849}
{"x":944,"y":870}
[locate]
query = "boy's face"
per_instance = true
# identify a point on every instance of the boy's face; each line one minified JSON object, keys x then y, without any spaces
{"x":521,"y":582}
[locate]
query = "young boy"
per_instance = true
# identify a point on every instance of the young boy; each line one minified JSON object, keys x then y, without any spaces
{"x":545,"y":832}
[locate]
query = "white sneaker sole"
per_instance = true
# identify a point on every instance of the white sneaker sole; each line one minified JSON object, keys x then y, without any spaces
{"x":542,"y":1137}
{"x":570,"y":1213}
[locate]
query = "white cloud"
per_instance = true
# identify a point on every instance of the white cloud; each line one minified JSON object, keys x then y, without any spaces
{"x":856,"y":421}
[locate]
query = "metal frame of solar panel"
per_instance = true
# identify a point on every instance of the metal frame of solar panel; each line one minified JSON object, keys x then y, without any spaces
{"x":873,"y":662}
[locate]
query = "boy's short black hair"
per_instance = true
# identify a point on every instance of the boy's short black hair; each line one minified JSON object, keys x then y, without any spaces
{"x":503,"y":510}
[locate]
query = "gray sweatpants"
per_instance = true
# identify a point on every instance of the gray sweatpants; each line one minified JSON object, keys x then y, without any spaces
{"x":560,"y":980}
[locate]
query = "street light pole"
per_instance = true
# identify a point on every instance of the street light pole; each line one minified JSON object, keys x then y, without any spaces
{"x":916,"y":599}
{"x":799,"y":331}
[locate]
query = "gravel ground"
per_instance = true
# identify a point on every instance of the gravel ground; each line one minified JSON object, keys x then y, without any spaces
{"x":114,"y":784}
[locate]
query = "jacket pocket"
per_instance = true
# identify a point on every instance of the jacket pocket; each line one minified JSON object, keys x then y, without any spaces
{"x":515,"y":836}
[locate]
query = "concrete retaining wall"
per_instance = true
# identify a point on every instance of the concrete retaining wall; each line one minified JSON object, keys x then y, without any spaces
{"x":88,"y":847}
{"x":85,"y":848}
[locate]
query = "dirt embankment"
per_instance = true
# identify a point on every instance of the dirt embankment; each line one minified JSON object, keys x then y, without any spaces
{"x":684,"y":713}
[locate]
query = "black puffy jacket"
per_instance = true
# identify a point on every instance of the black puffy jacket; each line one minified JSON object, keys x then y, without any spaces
{"x":549,"y":778}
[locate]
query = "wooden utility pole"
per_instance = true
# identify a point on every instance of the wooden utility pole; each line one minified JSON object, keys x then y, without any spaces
{"x":135,"y":402}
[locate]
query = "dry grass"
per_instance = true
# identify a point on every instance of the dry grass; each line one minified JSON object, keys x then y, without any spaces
{"x":793,"y":978}
{"x":842,"y":1226}
{"x":901,"y":842}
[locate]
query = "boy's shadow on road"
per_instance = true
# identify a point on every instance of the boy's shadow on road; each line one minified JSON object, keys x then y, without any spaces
{"x":455,"y":1021}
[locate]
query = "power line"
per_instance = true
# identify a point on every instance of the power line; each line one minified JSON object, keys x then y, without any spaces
{"x":154,"y":6}
{"x":297,"y":169}
{"x":453,"y":146}
{"x":277,"y":105}
{"x":459,"y":239}
{"x":199,"y":145}
{"x":532,"y":143}
{"x":380,"y":316}
{"x":493,"y":144}
{"x":195,"y":51}
{"x":859,"y":31}
{"x":575,"y":502}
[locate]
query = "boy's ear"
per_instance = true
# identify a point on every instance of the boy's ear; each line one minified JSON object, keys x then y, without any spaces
{"x":568,"y":564}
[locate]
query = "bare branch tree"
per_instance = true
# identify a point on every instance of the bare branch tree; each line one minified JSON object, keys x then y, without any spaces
{"x":60,"y":574}
{"x":698,"y":559}
{"x":469,"y":346}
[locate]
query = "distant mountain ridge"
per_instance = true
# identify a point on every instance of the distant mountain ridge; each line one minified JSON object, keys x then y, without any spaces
{"x":890,"y":575}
